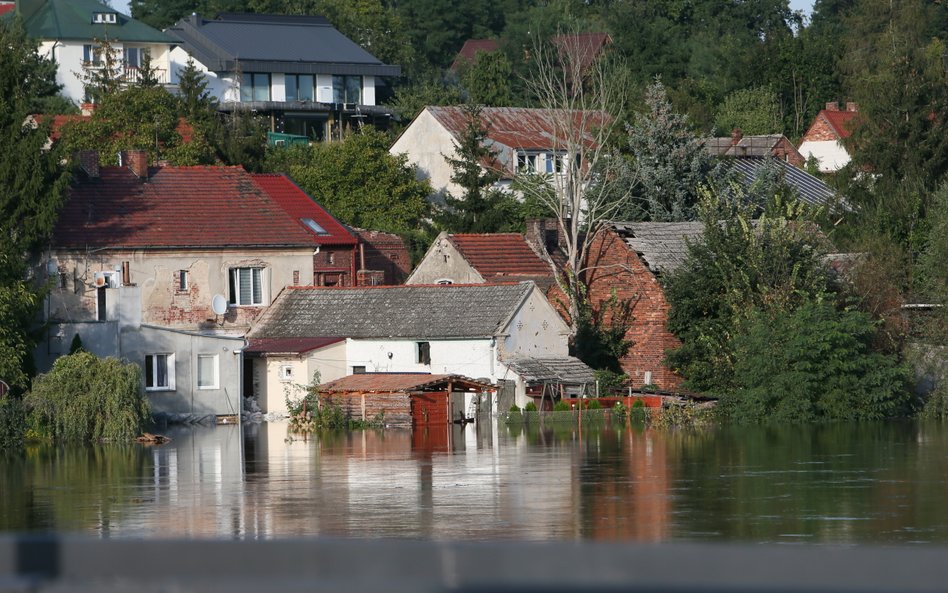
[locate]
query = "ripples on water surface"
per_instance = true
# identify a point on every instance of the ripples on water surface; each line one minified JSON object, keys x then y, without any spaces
{"x":839,"y":483}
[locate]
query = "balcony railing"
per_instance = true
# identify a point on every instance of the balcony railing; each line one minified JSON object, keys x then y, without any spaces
{"x":131,"y":74}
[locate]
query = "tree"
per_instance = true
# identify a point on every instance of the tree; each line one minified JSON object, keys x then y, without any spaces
{"x":740,"y":265}
{"x":482,"y":208}
{"x":669,"y":163}
{"x":754,"y":111}
{"x":195,"y":99}
{"x":487,"y":80}
{"x":31,"y":194}
{"x":87,"y":398}
{"x":104,"y":76}
{"x":335,"y":174}
{"x":147,"y":74}
{"x":582,"y":100}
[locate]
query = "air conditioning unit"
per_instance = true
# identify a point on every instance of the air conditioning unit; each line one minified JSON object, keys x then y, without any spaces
{"x":107,"y":279}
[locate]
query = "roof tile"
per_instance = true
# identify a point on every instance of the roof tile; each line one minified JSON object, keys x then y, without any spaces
{"x":501,"y":256}
{"x":388,"y":382}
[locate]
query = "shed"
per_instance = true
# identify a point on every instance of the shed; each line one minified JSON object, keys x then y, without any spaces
{"x":404,"y":399}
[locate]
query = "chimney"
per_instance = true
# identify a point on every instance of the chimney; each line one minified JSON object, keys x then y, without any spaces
{"x":736,"y":135}
{"x":543,"y":234}
{"x":89,"y":162}
{"x":832,"y":106}
{"x":850,"y":106}
{"x":137,"y":161}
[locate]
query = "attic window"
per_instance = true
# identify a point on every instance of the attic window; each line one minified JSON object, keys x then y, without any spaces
{"x":314,"y":226}
{"x":104,"y":17}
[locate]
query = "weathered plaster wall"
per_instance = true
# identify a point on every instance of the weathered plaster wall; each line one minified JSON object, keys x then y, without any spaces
{"x":444,"y":262}
{"x":330,"y":362}
{"x":425,"y":142}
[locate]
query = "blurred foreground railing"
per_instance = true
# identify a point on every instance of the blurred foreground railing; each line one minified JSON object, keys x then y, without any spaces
{"x":74,"y":563}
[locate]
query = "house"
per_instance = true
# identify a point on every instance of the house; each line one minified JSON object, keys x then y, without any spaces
{"x":168,"y":267}
{"x":628,"y":260}
{"x":471,"y":258}
{"x":384,"y":258}
{"x":71,"y":33}
{"x":468,"y":52}
{"x":523,"y":140}
{"x":472,"y":330}
{"x":737,"y":144}
{"x":583,"y":48}
{"x":824,"y":140}
{"x":307,"y":77}
{"x":416,"y":400}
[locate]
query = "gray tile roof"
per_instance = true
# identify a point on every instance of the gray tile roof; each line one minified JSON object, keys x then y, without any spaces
{"x":455,"y":311}
{"x":275,"y":43}
{"x":663,"y":245}
{"x":567,"y":370}
{"x":747,"y":146}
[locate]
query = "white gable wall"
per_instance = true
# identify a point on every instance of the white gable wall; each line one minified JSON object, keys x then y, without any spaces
{"x":442,"y":264}
{"x":425,"y":142}
{"x":831,"y":154}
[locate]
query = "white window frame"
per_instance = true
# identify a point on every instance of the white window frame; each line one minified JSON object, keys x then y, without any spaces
{"x":234,"y":286}
{"x":169,"y":369}
{"x":286,"y":373}
{"x":216,"y":383}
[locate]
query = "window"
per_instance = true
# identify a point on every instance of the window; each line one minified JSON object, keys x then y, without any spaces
{"x":181,"y":282}
{"x":92,"y":55}
{"x":133,"y":57}
{"x":359,"y":370}
{"x":208,"y":371}
{"x":246,"y":286}
{"x":346,"y":89}
{"x":255,"y":86}
{"x":286,"y":372}
{"x":101,"y":307}
{"x":314,"y":226}
{"x":299,"y":87}
{"x":104,"y":17}
{"x":159,"y":372}
{"x":444,"y":281}
{"x":424,"y":353}
{"x":555,"y":163}
{"x":527,"y":162}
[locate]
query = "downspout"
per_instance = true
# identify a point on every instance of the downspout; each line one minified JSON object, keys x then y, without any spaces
{"x":352,"y":265}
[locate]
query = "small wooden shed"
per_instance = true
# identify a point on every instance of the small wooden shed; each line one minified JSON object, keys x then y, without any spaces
{"x":405,"y":399}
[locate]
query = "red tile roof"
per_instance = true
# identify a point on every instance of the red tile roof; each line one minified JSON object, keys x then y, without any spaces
{"x":470,"y":48}
{"x":840,"y":121}
{"x":299,"y":205}
{"x":55,"y":127}
{"x":183,"y":207}
{"x":583,"y":48}
{"x":500,"y":256}
{"x":522,"y":127}
{"x":389,"y":382}
{"x":288,"y":345}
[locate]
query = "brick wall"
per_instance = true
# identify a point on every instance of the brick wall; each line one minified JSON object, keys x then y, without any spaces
{"x":820,"y":131}
{"x":385,"y":252}
{"x":786,"y":151}
{"x":613,"y":266}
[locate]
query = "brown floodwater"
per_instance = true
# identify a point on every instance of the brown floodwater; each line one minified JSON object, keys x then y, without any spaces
{"x":838,"y":483}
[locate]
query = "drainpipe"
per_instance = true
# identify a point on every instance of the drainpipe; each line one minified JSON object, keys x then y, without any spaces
{"x":352,"y":266}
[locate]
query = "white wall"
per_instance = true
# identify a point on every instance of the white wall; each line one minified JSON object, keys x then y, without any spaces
{"x":444,"y":262}
{"x":329,"y":361}
{"x":222,"y":87}
{"x":536,"y":330}
{"x":425,"y":142}
{"x":475,"y":358}
{"x":831,"y":154}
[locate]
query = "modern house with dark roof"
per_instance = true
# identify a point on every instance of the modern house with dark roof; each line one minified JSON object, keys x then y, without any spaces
{"x":168,"y":266}
{"x":470,"y":258}
{"x":824,"y":138}
{"x":71,"y":31}
{"x":522,"y":140}
{"x":474,"y":330}
{"x":310,"y":79}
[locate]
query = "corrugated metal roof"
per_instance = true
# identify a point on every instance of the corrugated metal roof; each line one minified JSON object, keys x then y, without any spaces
{"x":747,"y":146}
{"x":809,"y":189}
{"x":521,"y":127}
{"x":567,"y":370}
{"x":412,"y":312}
{"x":663,"y":245}
{"x":72,"y":19}
{"x":400,"y":382}
{"x":275,"y":43}
{"x":179,"y":207}
{"x":288,"y":345}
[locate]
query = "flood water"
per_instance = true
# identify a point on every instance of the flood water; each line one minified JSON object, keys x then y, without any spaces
{"x":840,"y":483}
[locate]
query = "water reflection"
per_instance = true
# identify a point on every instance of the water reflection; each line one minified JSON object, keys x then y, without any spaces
{"x":835,"y":483}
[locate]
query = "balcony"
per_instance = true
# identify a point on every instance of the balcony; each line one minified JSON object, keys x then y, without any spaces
{"x":132,"y":75}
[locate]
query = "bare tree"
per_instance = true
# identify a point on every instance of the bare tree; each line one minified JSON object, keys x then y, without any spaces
{"x":584,"y":93}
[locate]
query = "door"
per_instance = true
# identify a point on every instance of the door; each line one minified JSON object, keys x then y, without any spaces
{"x":429,"y":408}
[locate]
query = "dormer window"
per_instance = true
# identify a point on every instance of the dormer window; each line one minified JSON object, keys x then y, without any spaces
{"x":314,"y":226}
{"x":109,"y":18}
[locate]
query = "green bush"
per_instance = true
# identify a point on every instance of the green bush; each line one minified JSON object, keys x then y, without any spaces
{"x":13,"y":423}
{"x":620,"y":412}
{"x":87,"y":398}
{"x":594,"y":405}
{"x":530,"y":407}
{"x":561,"y":406}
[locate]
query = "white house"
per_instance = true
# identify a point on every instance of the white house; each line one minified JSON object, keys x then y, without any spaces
{"x":476,"y":330}
{"x":308,"y":77}
{"x":824,"y":139}
{"x":523,"y":140}
{"x":72,"y":33}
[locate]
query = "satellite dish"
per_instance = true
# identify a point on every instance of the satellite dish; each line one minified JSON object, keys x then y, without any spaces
{"x":219,"y":304}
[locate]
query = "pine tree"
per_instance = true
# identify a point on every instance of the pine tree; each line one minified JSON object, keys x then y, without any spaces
{"x":147,"y":74}
{"x":192,"y":91}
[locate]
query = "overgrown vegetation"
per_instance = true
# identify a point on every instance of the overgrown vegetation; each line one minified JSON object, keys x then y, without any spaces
{"x":86,"y":398}
{"x":308,"y":414}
